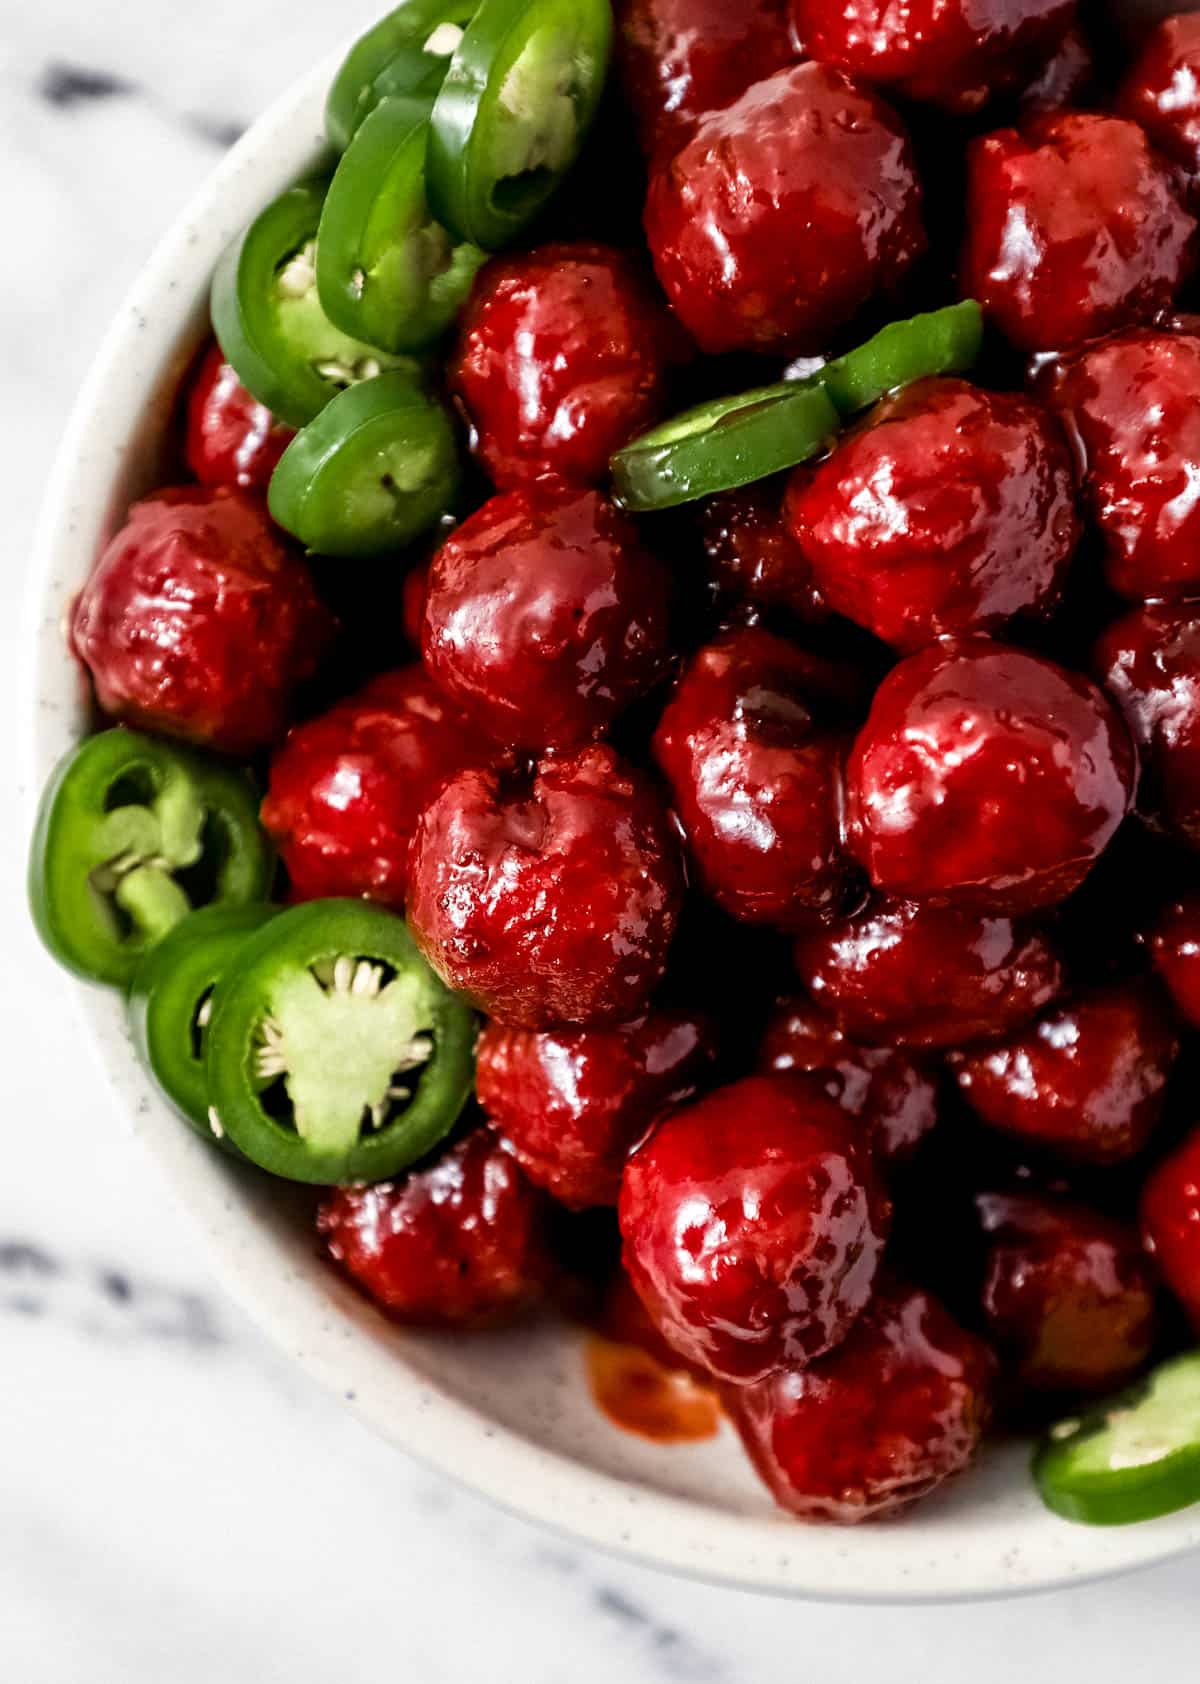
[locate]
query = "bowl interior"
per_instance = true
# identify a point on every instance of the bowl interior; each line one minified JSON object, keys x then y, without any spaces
{"x":508,"y":1414}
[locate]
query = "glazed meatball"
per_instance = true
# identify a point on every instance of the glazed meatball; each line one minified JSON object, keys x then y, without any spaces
{"x":755,"y":779}
{"x":1067,"y":1294}
{"x":752,"y":1224}
{"x":571,"y":1104}
{"x":1074,"y":228}
{"x":1133,"y":404}
{"x":548,"y":898}
{"x":199,"y":622}
{"x":785,"y":214}
{"x":1170,"y":1216}
{"x":347,"y":788}
{"x":462,"y":1243}
{"x":1086,"y":1082}
{"x":545,"y":616}
{"x":679,"y":59}
{"x":889,"y":1092}
{"x":232,"y":439}
{"x":1162,"y":91}
{"x":412,"y":602}
{"x":753,"y":558}
{"x":562,"y":358}
{"x":949,"y":510}
{"x":1174,"y":943}
{"x":885,"y":1419}
{"x":954,"y":54}
{"x":986,"y":776}
{"x":928,"y":976}
{"x":1150,"y":662}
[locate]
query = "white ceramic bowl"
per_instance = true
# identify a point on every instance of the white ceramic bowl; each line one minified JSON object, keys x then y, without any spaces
{"x":508,"y":1414}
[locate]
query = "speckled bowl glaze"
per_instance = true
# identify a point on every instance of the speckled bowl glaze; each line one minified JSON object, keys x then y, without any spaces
{"x":508,"y":1414}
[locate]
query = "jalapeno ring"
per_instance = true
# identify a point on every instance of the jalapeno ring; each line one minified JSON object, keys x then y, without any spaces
{"x":406,"y":53}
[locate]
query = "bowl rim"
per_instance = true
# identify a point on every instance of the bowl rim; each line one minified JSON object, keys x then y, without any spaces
{"x":331,"y":1340}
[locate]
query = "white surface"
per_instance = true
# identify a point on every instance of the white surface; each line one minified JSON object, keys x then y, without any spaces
{"x":175,"y":1502}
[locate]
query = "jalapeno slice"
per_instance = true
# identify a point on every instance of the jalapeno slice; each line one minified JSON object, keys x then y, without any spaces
{"x":723,"y":444}
{"x":376,"y":468}
{"x":170,"y":1001}
{"x":406,"y":53}
{"x":386,"y":271}
{"x":513,"y":111}
{"x":939,"y":342}
{"x":132,"y":833}
{"x":268,"y":319}
{"x":1133,"y":1458}
{"x":333,"y":1052}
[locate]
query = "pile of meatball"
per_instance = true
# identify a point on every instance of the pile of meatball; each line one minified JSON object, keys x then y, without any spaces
{"x":821,"y":857}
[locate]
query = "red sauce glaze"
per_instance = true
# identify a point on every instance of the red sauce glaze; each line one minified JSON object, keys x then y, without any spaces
{"x":752,"y":556}
{"x":1170,"y":1215}
{"x":1162,"y":90}
{"x":199,"y":622}
{"x":643,"y":1396}
{"x":545,"y":616}
{"x":1150,"y":663}
{"x":462,"y":1243}
{"x":1067,"y":1293}
{"x":562,"y":358}
{"x":1133,"y":405}
{"x":347,"y":788}
{"x":752,"y":1225}
{"x":1064,"y":79}
{"x":1074,"y":228}
{"x":928,"y":976}
{"x":412,"y":602}
{"x":892,"y":1095}
{"x":551,"y":899}
{"x":572,"y":1104}
{"x":1174,"y":943}
{"x":679,"y":59}
{"x":949,"y":509}
{"x":755,"y":779}
{"x":1086,"y":1082}
{"x":883,"y":1420}
{"x":955,"y":54}
{"x":986,"y":776}
{"x":785,"y":214}
{"x":232,"y":439}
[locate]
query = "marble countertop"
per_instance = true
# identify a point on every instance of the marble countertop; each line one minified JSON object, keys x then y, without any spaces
{"x":175,"y":1501}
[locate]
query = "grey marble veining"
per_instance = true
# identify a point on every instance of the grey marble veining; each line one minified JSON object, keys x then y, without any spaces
{"x":176,"y":1503}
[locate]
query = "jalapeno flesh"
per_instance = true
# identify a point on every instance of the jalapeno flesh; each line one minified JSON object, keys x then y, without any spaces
{"x":406,"y":53}
{"x":386,"y":271}
{"x":377,"y":468}
{"x":334,"y":1053}
{"x":132,"y":833}
{"x":268,"y":319}
{"x":938,"y":342}
{"x":513,"y":111}
{"x":170,"y":999}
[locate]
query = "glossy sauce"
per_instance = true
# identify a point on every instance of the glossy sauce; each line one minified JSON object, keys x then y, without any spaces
{"x":641,"y":1395}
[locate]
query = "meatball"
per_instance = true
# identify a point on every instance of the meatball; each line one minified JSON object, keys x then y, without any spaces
{"x":1170,"y":1217}
{"x":571,"y":1104}
{"x":347,"y":788}
{"x":928,"y":976}
{"x":1067,"y":1294}
{"x":752,"y":1225}
{"x":1161,"y":91}
{"x":986,"y":776}
{"x":1150,"y":662}
{"x":1086,"y":1082}
{"x":232,"y":439}
{"x":199,"y":622}
{"x":785,"y":214}
{"x":1175,"y":949}
{"x":548,"y":898}
{"x":1133,"y":404}
{"x":545,"y":616}
{"x":1074,"y":227}
{"x":950,"y":53}
{"x":679,"y":59}
{"x":562,"y":358}
{"x":889,"y":1092}
{"x":883,"y":1420}
{"x":949,"y":510}
{"x":753,"y":558}
{"x":462,"y":1243}
{"x":755,"y":779}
